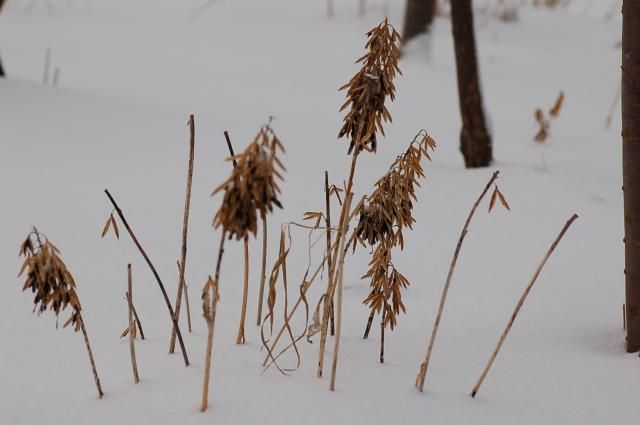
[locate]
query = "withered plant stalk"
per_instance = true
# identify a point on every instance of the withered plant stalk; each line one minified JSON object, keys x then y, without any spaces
{"x":210,"y":297}
{"x":185,"y":227}
{"x":240,"y":339}
{"x":520,"y":303}
{"x":366,"y":94}
{"x":155,"y":274}
{"x":327,"y":196}
{"x":336,"y":347}
{"x":422,"y":373}
{"x":263,"y":275}
{"x":54,"y":287}
{"x":132,"y":326}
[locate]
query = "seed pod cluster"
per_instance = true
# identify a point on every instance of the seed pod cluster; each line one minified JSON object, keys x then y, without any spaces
{"x":252,"y":186}
{"x":369,"y":88}
{"x":382,"y":219}
{"x":48,"y":278}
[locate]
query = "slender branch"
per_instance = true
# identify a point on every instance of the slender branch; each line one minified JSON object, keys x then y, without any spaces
{"x":422,"y":373}
{"x":240,"y":339}
{"x":384,"y":311}
{"x":185,"y":227}
{"x":186,"y":300}
{"x":211,"y":323}
{"x":520,"y":303}
{"x":331,"y":285}
{"x":93,"y":363}
{"x":369,"y":323}
{"x":155,"y":274}
{"x":263,"y":276}
{"x":327,"y":199}
{"x":138,"y":322}
{"x":336,"y":346}
{"x":132,"y":325}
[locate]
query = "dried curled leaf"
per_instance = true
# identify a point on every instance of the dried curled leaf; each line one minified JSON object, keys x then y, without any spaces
{"x":557,"y":106}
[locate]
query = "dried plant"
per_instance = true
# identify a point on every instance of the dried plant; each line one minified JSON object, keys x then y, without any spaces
{"x":520,"y":303}
{"x":185,"y":230}
{"x":250,"y":189}
{"x":369,"y":88}
{"x":252,"y":186}
{"x":366,"y":95}
{"x":544,"y":122}
{"x":422,"y":372}
{"x":387,"y":212}
{"x":49,"y":279}
{"x":132,"y":326}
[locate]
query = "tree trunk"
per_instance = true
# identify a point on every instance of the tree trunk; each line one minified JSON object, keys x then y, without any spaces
{"x":475,"y":140}
{"x":418,"y":18}
{"x":631,"y":166}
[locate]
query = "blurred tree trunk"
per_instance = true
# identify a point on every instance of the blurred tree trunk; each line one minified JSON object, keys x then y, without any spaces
{"x":475,"y":140}
{"x":631,"y":166}
{"x":418,"y":17}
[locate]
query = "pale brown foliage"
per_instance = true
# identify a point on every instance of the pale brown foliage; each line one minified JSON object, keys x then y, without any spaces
{"x":252,"y":186}
{"x":48,"y":278}
{"x":369,"y":88}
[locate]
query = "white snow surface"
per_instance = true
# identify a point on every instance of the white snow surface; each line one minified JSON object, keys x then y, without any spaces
{"x":130,"y":74}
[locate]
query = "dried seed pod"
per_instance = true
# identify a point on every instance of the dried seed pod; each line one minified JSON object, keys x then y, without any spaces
{"x":252,"y":186}
{"x":369,"y":88}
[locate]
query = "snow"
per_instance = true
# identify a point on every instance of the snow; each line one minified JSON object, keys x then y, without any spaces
{"x":132,"y":72}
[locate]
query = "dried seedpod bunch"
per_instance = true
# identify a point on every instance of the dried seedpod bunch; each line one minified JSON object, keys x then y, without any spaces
{"x":54,"y":287}
{"x":369,"y":88}
{"x":252,"y":186}
{"x":544,"y":122}
{"x":383,"y":217}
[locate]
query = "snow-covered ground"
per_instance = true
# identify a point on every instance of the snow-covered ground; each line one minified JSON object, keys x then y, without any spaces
{"x":130,"y":72}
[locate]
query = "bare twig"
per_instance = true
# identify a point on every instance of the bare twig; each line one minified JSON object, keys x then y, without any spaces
{"x":520,"y":303}
{"x":186,"y":300}
{"x":135,"y":314}
{"x":93,"y":363}
{"x":263,"y":276}
{"x":240,"y":339}
{"x":369,"y":323}
{"x":132,"y":325}
{"x":155,"y":274}
{"x":422,"y":373}
{"x":185,"y":227}
{"x":327,"y":196}
{"x":210,"y":316}
{"x":336,"y":347}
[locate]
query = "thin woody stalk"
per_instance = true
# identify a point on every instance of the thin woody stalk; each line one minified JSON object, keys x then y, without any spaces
{"x":211,"y":323}
{"x":331,"y":284}
{"x":93,"y":363}
{"x":520,"y":303}
{"x":422,"y":373}
{"x":327,"y":196}
{"x":336,"y":348}
{"x":132,"y":347}
{"x":263,"y":275}
{"x":155,"y":274}
{"x":185,"y":227}
{"x":245,"y":291}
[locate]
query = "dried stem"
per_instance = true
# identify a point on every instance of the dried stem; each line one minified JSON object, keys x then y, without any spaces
{"x":185,"y":227}
{"x":422,"y":373}
{"x":369,"y":323}
{"x":93,"y":363}
{"x":245,"y":292}
{"x":327,"y":196}
{"x":132,"y":347}
{"x":263,"y":276}
{"x":186,"y":300}
{"x":384,"y":310}
{"x":344,"y":213}
{"x":155,"y":274}
{"x":520,"y":303}
{"x":211,"y":323}
{"x":138,"y":322}
{"x":336,"y":347}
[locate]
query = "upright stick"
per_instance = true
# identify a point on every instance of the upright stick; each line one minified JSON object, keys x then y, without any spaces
{"x":132,"y":326}
{"x":155,"y":274}
{"x":422,"y":373}
{"x":186,"y":300}
{"x":263,"y":271}
{"x":210,"y":316}
{"x":245,"y":291}
{"x":327,"y":196}
{"x":520,"y":303}
{"x":185,"y":227}
{"x":336,"y":347}
{"x":93,"y":363}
